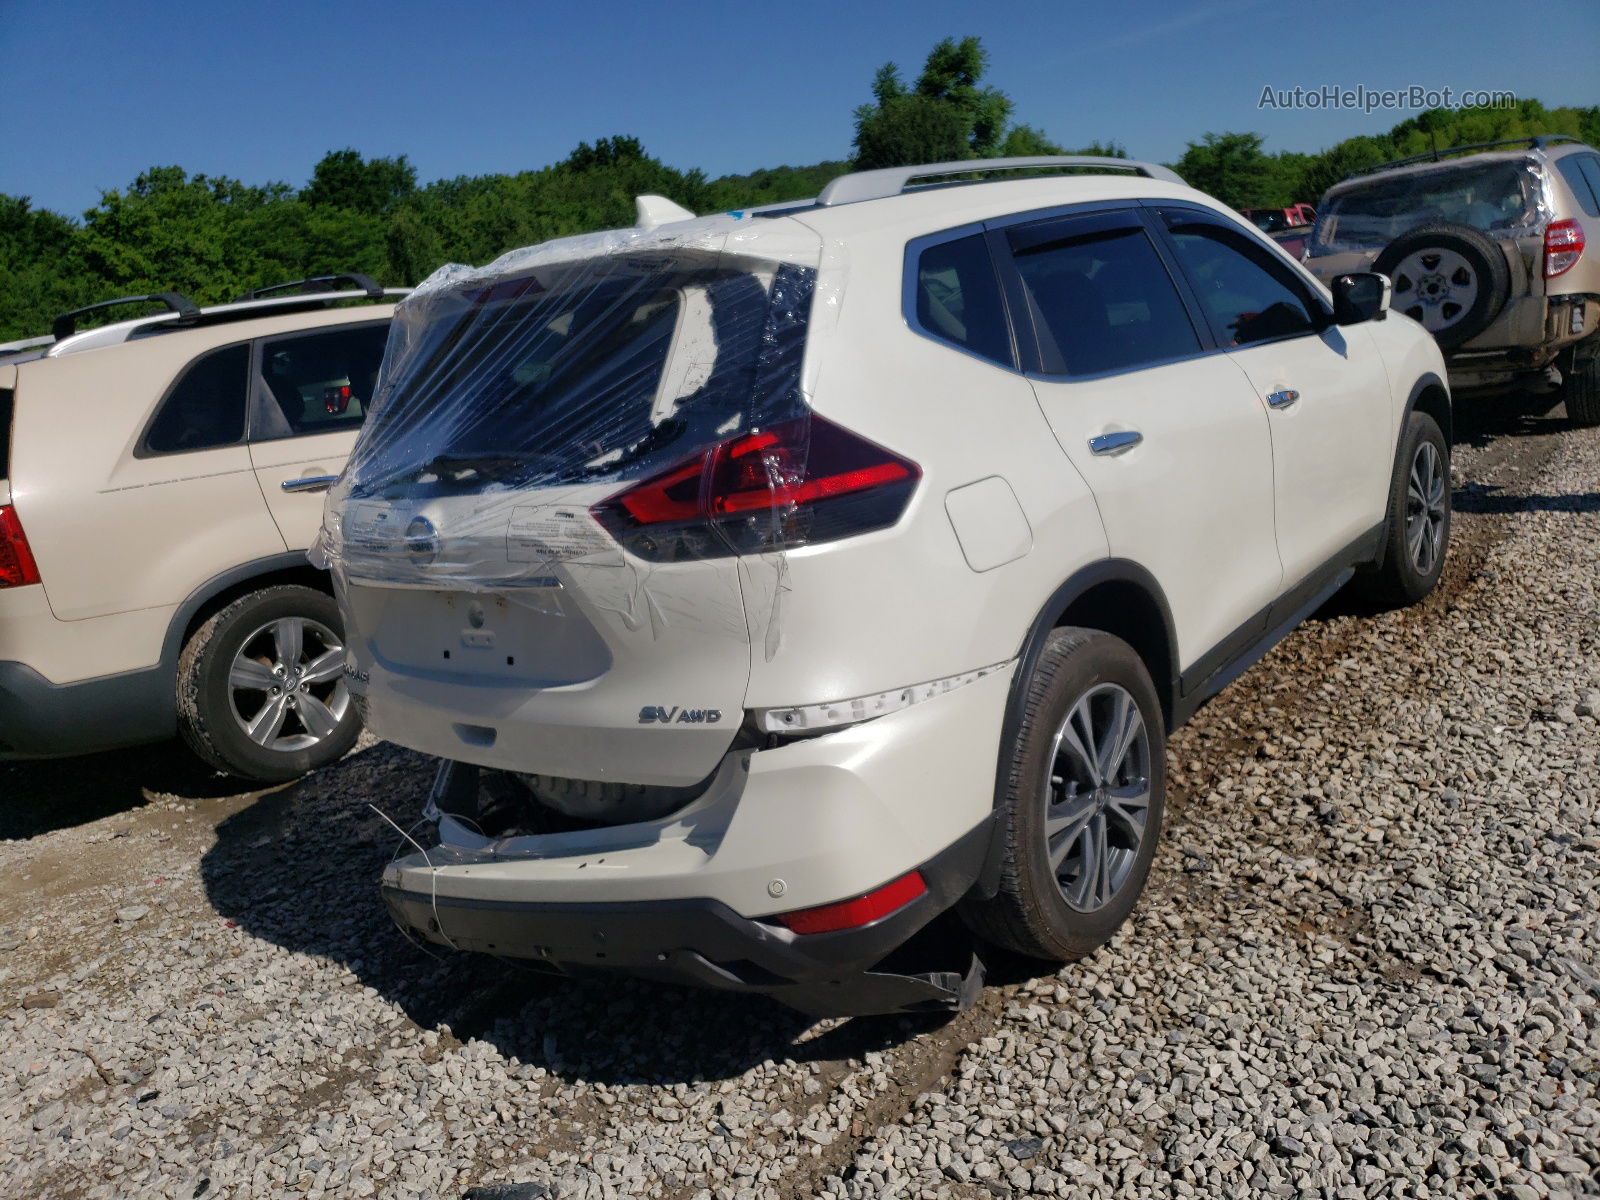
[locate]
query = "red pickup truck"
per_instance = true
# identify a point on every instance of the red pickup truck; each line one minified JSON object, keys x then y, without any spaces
{"x":1289,"y":227}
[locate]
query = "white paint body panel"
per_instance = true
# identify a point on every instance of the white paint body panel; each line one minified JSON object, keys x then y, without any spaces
{"x":1198,"y":504}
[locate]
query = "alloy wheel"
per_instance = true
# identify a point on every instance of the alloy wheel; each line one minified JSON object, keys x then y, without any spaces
{"x":286,"y":684}
{"x":1425,"y":508}
{"x":1097,"y":796}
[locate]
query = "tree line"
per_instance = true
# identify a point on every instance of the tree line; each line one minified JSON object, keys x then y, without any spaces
{"x":214,"y":238}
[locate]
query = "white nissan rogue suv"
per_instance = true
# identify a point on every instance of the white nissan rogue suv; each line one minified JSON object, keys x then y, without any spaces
{"x":160,"y":480}
{"x":778,"y":586}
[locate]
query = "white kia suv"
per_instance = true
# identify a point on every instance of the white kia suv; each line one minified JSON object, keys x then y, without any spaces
{"x":788,"y":592}
{"x":160,"y":480}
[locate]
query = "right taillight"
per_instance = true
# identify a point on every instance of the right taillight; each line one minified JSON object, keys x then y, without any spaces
{"x":17,"y":567}
{"x":1563,"y":246}
{"x":792,"y":484}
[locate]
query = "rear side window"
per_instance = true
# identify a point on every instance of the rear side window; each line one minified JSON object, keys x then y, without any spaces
{"x":1102,"y":298}
{"x":958,"y":298}
{"x":1582,"y":173}
{"x":320,"y":382}
{"x":205,"y":408}
{"x":1247,"y":297}
{"x":6,"y":404}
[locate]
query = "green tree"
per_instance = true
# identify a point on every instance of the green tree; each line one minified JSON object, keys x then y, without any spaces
{"x":947,"y":116}
{"x":1230,"y":166}
{"x":375,"y":186}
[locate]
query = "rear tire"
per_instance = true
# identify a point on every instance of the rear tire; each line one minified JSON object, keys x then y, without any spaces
{"x":1085,"y":793}
{"x":1580,"y":391}
{"x":1417,"y":528}
{"x":261,"y":691}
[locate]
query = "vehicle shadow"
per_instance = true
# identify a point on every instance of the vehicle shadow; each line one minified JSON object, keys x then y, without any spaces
{"x":1493,"y":499}
{"x":41,"y":796}
{"x":299,"y":868}
{"x":1480,"y":420}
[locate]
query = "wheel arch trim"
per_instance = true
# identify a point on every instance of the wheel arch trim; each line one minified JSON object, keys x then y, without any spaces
{"x":275,"y":565}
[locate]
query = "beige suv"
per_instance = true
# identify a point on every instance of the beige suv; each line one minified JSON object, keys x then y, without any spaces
{"x":1486,"y":247}
{"x":160,"y":480}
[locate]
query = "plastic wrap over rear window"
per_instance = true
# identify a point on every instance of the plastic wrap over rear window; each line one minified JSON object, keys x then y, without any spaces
{"x":1500,"y":197}
{"x":514,"y":399}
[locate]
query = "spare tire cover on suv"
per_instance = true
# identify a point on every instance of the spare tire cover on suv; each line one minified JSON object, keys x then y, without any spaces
{"x":1450,"y":278}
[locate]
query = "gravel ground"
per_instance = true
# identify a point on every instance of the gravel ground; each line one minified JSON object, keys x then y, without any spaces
{"x":1368,"y":963}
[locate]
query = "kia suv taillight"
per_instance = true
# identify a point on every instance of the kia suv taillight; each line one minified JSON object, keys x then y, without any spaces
{"x":17,"y":567}
{"x":792,"y":484}
{"x":1563,"y":246}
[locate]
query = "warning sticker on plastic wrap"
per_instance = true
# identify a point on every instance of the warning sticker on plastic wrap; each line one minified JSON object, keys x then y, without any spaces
{"x":549,"y":533}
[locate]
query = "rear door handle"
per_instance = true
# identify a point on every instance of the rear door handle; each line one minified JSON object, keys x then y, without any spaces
{"x":1115,"y":443}
{"x":1282,"y":398}
{"x":311,"y":483}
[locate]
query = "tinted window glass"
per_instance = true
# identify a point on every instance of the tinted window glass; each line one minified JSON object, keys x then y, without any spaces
{"x":1246,"y":298}
{"x":1582,"y":173}
{"x":958,"y":299}
{"x":1103,"y":301}
{"x":206,"y":406}
{"x":323,"y":381}
{"x":5,"y":432}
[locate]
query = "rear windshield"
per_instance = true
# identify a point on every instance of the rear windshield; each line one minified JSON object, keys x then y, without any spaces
{"x":5,"y":432}
{"x":1495,"y":197}
{"x":588,"y":372}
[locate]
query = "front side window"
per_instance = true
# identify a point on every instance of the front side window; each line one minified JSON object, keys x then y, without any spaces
{"x":1245,"y":297}
{"x":321,"y":382}
{"x":205,"y":408}
{"x":958,"y":298}
{"x":1101,"y":297}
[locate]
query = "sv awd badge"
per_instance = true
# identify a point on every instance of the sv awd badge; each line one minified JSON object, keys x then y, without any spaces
{"x":654,"y":714}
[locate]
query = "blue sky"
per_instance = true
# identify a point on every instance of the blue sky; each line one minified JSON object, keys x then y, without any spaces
{"x":92,"y":93}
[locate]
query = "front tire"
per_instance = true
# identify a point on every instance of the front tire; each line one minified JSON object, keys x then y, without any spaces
{"x":261,"y":691}
{"x":1085,"y":795}
{"x":1417,"y":529}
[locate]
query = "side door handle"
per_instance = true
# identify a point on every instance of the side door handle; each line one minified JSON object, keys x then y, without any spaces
{"x":1115,"y":443}
{"x":1282,"y":398}
{"x":311,"y":483}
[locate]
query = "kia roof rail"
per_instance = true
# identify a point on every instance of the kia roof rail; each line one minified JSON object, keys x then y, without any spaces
{"x":66,"y":324}
{"x":1436,"y":155}
{"x":316,"y":285}
{"x":891,"y":181}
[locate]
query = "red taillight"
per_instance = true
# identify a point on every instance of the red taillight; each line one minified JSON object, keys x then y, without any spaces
{"x":852,"y":914}
{"x":792,"y":484}
{"x":1563,"y":246}
{"x":17,"y":567}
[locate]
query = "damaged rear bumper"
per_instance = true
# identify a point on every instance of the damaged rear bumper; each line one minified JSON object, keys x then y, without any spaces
{"x":903,"y":962}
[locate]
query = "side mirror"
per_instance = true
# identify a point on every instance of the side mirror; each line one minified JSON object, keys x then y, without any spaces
{"x":1360,"y":297}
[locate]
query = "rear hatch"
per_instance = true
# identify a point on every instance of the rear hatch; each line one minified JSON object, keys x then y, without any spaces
{"x":529,"y":571}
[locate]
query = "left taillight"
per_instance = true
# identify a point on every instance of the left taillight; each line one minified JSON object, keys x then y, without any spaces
{"x":795,"y":483}
{"x":17,"y":568}
{"x":1563,"y":246}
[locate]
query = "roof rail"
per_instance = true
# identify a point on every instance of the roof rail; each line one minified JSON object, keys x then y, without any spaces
{"x":66,"y":324}
{"x":318,"y":283}
{"x":1436,"y":155}
{"x":891,"y":181}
